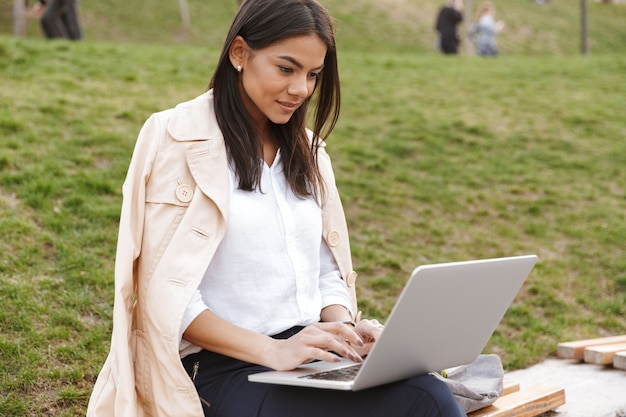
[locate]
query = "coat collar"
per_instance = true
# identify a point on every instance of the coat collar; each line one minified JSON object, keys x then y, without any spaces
{"x":194,"y":122}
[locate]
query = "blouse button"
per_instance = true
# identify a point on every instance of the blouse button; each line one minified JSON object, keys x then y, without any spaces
{"x":184,"y":193}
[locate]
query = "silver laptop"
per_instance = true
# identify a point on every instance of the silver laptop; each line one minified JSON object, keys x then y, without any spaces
{"x":443,"y":318}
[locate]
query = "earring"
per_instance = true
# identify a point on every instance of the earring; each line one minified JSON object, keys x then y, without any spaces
{"x":239,"y":68}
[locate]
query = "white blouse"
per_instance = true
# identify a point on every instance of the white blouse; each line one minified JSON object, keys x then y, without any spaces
{"x":272,"y":270}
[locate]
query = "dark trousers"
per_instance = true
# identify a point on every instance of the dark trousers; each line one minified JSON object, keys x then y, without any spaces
{"x":450,"y":47}
{"x":60,"y":20}
{"x":223,"y":387}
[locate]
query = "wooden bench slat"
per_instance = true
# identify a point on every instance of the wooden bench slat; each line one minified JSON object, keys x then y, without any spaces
{"x":527,"y":402}
{"x":509,"y":387}
{"x":603,"y":354}
{"x":619,"y":360}
{"x":576,"y":349}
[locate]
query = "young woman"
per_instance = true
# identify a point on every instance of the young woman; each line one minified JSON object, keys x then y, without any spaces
{"x":233,"y":252}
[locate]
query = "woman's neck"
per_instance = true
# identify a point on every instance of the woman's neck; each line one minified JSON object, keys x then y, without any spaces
{"x":270,"y":147}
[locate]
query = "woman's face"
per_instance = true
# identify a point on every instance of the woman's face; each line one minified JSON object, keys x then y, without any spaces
{"x":276,"y":80}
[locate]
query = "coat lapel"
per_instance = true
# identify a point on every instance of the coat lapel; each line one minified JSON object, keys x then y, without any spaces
{"x":194,"y":122}
{"x":209,"y":166}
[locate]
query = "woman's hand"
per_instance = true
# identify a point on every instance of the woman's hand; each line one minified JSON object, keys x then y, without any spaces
{"x":368,"y":331}
{"x":320,"y":341}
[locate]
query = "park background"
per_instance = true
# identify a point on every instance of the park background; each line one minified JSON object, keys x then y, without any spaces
{"x":437,"y":158}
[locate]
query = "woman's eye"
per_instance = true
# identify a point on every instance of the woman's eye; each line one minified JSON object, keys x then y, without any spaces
{"x":286,"y":70}
{"x":314,"y":75}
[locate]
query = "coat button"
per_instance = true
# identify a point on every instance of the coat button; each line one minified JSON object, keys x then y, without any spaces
{"x":333,"y":238}
{"x":351,"y":280}
{"x":184,"y":193}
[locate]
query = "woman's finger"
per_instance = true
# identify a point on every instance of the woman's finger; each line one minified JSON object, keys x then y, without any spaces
{"x":335,"y":337}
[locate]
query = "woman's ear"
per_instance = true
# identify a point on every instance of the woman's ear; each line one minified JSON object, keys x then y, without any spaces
{"x":238,"y":52}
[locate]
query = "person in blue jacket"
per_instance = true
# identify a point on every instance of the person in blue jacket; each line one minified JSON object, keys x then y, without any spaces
{"x":484,"y":31}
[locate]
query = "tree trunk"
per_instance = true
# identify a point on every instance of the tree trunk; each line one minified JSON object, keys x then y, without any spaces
{"x":583,"y":27}
{"x":19,"y":17}
{"x":184,"y":14}
{"x":468,"y":17}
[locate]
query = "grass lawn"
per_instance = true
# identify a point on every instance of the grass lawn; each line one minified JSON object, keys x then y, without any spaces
{"x":438,"y":159}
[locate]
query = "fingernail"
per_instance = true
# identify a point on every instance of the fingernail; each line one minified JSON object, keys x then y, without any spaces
{"x":355,"y":358}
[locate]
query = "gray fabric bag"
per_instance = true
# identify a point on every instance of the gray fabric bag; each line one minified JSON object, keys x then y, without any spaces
{"x":476,"y":385}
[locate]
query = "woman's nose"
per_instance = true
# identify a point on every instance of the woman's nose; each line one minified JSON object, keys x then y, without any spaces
{"x":299,"y":87}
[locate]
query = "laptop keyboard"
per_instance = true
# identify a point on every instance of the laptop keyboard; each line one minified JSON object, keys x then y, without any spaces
{"x":342,"y":374}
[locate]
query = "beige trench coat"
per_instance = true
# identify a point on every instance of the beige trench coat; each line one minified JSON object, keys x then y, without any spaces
{"x":173,"y":219}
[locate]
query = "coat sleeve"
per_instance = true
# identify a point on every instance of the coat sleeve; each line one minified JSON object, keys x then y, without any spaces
{"x":114,"y":391}
{"x":336,"y":228}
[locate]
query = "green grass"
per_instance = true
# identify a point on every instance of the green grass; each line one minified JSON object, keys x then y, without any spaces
{"x":438,"y":160}
{"x":69,"y":114}
{"x":368,"y":25}
{"x":510,"y":159}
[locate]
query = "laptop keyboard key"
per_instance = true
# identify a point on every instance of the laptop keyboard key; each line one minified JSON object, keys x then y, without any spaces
{"x":342,"y":374}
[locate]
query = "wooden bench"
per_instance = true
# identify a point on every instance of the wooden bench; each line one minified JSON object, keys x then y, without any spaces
{"x":576,"y":349}
{"x":527,"y":402}
{"x":603,"y":354}
{"x":619,"y":360}
{"x":601,"y":351}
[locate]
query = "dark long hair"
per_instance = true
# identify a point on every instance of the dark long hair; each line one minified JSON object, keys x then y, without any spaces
{"x":262,"y":23}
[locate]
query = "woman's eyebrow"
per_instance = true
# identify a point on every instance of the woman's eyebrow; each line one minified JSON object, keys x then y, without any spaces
{"x":296,"y":63}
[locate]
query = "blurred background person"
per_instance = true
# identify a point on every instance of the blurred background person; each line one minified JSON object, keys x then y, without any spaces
{"x":448,"y":19}
{"x":59,"y":18}
{"x":483,"y":32}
